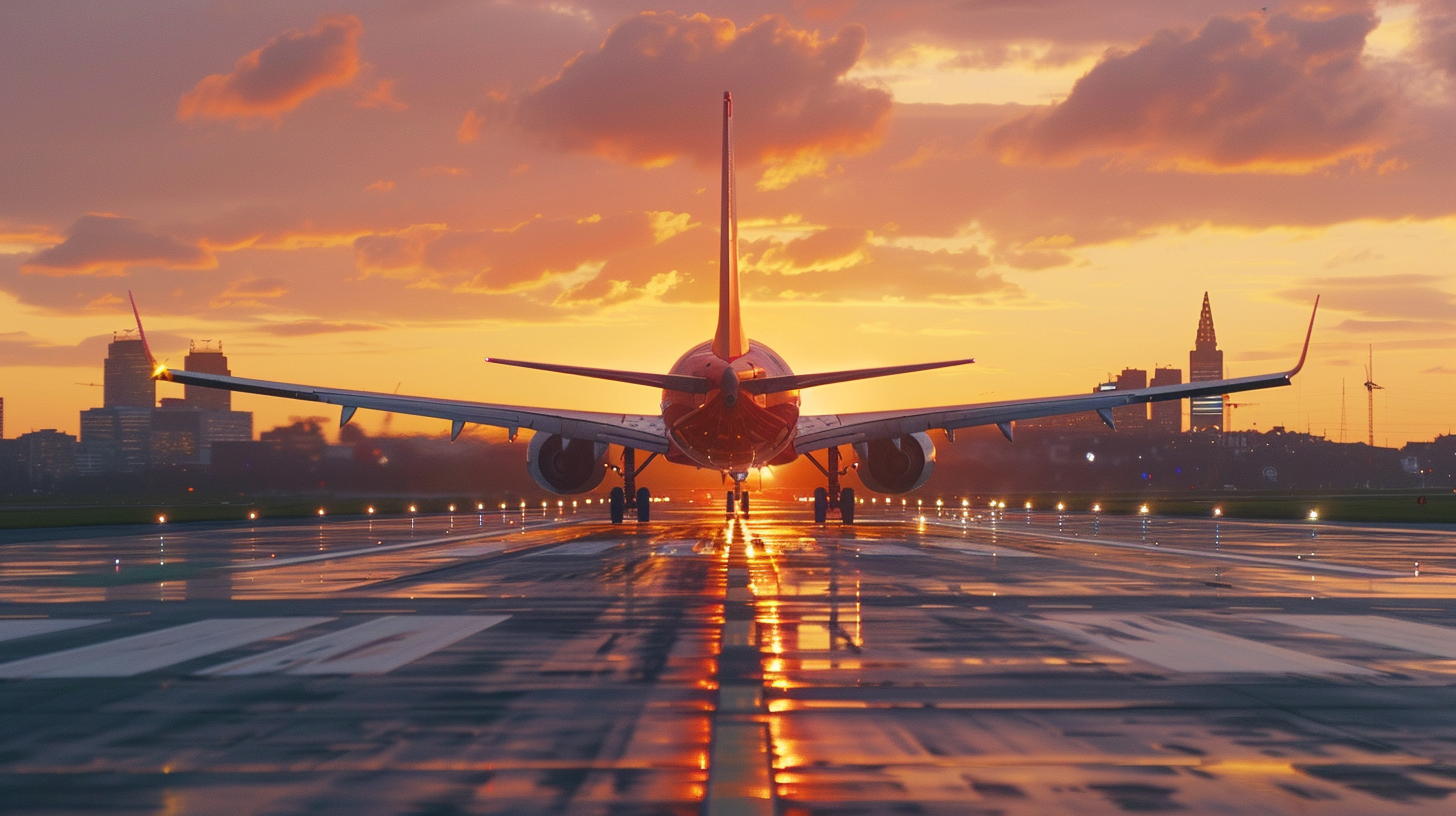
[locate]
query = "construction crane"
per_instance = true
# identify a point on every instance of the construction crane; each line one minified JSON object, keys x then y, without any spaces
{"x":1370,"y":388}
{"x":1231,"y":406}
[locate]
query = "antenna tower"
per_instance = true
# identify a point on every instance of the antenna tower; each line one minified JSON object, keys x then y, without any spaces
{"x":1342,"y":411}
{"x":1370,"y":388}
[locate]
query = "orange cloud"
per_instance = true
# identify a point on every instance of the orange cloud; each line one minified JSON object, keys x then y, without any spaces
{"x":649,"y":94}
{"x":1277,"y":94}
{"x":275,"y":79}
{"x":495,"y":261}
{"x":100,"y":243}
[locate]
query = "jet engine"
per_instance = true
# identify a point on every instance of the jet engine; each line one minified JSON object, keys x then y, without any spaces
{"x":566,"y":466}
{"x":896,"y":465}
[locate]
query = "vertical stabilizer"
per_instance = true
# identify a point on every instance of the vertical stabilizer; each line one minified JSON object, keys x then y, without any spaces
{"x":729,"y":342}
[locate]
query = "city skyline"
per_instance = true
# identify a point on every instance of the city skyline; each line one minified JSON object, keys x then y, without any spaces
{"x":429,"y":188}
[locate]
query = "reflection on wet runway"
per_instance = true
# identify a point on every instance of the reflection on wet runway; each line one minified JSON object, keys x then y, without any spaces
{"x":1002,"y":662}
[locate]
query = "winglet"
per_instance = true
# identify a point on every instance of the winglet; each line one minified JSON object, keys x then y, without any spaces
{"x":157,"y":370}
{"x":1308,"y":334}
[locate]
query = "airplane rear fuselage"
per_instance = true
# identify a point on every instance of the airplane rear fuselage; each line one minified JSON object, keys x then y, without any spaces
{"x":728,"y":429}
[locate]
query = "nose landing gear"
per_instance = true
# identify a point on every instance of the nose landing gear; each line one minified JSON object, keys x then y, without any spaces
{"x":737,"y":498}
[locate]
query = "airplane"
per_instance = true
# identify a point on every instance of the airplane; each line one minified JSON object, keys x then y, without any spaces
{"x":729,"y":404}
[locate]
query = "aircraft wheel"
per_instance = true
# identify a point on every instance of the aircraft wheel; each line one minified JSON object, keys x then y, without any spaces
{"x":732,"y":503}
{"x":846,"y":505}
{"x":744,"y":503}
{"x":821,"y":505}
{"x":618,"y":502}
{"x":644,"y":504}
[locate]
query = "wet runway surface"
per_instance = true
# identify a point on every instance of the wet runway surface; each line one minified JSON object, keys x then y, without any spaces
{"x":1016,"y":663}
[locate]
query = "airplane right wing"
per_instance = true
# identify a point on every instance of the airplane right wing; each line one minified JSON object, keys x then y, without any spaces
{"x":818,"y":432}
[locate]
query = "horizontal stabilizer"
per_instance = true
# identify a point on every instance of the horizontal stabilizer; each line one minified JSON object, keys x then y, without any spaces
{"x":793,"y":382}
{"x":671,"y":382}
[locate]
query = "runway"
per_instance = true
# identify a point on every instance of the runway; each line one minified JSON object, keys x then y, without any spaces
{"x":1016,"y":662}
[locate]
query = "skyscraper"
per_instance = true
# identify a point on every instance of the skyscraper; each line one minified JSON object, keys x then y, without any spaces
{"x":1167,"y":415}
{"x":1205,"y":362}
{"x":128,"y":375}
{"x":202,"y":357}
{"x":1131,"y":417}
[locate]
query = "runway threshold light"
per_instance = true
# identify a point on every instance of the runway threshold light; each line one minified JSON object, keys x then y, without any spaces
{"x":161,"y":519}
{"x":369,"y":510}
{"x":1143,"y":510}
{"x":252,"y":516}
{"x":1061,"y":507}
{"x":1217,"y":511}
{"x":1028,"y":505}
{"x":413,"y":509}
{"x":1314,"y":515}
{"x":1097,"y":508}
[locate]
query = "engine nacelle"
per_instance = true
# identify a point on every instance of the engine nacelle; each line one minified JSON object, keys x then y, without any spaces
{"x":896,"y":465}
{"x":566,"y":466}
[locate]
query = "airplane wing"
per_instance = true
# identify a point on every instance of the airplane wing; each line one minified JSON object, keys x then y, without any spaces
{"x":640,"y":431}
{"x":818,"y":432}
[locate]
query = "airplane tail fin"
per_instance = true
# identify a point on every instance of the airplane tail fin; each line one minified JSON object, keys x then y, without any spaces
{"x":729,"y":342}
{"x":157,"y":369}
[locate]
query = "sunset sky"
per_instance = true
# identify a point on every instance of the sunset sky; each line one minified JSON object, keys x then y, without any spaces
{"x":381,"y":194}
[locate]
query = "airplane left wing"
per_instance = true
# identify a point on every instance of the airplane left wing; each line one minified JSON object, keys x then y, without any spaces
{"x":639,"y":431}
{"x":818,"y":432}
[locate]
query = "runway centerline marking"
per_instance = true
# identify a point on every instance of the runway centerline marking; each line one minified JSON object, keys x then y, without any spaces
{"x":16,"y":629}
{"x":1422,"y":638}
{"x":128,"y":656}
{"x":377,"y":647}
{"x":1189,"y":649}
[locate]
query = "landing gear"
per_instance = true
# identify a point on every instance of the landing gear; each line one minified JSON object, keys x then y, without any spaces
{"x":833,"y":497}
{"x":732,"y":504}
{"x":743,"y":502}
{"x":629,"y":496}
{"x":618,"y":502}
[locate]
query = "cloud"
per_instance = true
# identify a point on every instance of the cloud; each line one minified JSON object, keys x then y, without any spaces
{"x":23,"y":349}
{"x":843,"y":264}
{"x":101,"y":243}
{"x":280,"y":76}
{"x":508,"y":260}
{"x":1280,"y":94}
{"x":252,"y":292}
{"x":1437,"y":30}
{"x":1402,"y":303}
{"x":650,"y":94}
{"x":303,"y":328}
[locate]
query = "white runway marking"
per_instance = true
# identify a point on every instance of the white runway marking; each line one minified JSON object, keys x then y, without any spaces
{"x":133,"y":655}
{"x":474,"y":550}
{"x":1423,"y":638}
{"x":677,"y":547}
{"x":887,"y":549}
{"x":1183,"y":648}
{"x":15,"y":629}
{"x":574,"y":548}
{"x":980,"y":549}
{"x":377,"y":647}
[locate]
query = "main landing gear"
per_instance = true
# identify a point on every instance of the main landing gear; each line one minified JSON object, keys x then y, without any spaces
{"x":737,"y":497}
{"x":629,"y":496}
{"x":833,"y":497}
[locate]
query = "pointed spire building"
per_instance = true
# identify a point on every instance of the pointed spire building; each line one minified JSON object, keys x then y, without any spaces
{"x":1205,"y":362}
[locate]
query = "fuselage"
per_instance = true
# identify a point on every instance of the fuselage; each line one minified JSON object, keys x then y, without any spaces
{"x":728,"y":429}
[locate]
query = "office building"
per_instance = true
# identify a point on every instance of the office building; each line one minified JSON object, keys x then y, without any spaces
{"x":1167,"y":417}
{"x":1131,"y":417}
{"x":122,"y":435}
{"x":46,"y":457}
{"x":128,"y":375}
{"x":204,"y":358}
{"x":1205,"y":362}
